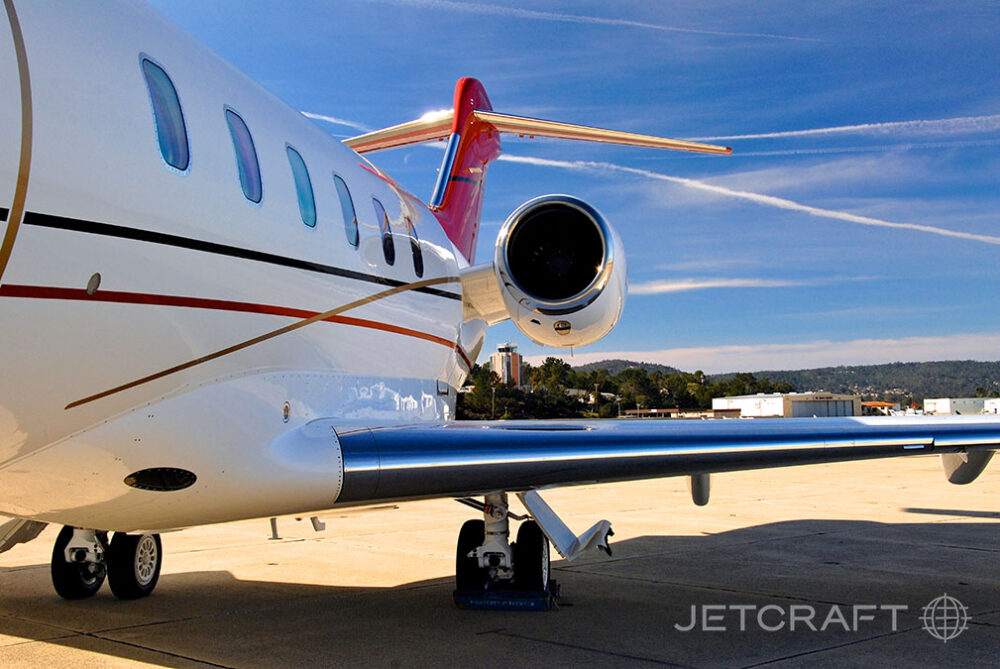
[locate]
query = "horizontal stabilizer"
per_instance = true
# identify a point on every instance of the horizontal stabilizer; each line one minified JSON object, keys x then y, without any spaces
{"x":439,"y":126}
{"x":533,"y":127}
{"x":426,"y":129}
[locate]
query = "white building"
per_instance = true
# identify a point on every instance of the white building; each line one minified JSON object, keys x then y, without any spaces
{"x":954,"y":405}
{"x":790,"y":405}
{"x":506,"y":363}
{"x":991,"y":405}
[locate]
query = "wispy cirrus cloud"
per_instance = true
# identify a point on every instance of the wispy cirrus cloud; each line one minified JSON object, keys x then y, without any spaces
{"x":756,"y":198}
{"x":662,"y":286}
{"x":806,"y":355}
{"x":537,"y":15}
{"x":945,"y":126}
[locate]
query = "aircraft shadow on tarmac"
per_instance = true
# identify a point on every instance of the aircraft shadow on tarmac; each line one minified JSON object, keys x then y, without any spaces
{"x":616,"y":610}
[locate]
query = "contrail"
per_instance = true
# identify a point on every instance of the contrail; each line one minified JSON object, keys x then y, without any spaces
{"x":336,"y":121}
{"x":682,"y":285}
{"x":757,"y":198}
{"x":514,"y":12}
{"x":944,"y":126}
{"x":881,"y":148}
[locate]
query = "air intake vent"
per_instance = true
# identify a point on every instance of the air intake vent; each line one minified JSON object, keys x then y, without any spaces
{"x":161,"y":479}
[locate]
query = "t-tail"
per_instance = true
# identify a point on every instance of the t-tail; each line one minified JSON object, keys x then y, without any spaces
{"x":472,"y":130}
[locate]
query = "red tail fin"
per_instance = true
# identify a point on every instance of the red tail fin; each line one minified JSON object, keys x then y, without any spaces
{"x":458,"y":195}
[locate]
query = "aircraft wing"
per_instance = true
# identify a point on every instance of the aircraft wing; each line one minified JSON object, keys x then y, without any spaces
{"x":472,"y":458}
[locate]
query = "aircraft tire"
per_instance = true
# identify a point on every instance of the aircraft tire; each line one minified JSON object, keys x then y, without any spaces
{"x":468,"y":574}
{"x":134,"y":564}
{"x":74,"y":580}
{"x":531,"y":558}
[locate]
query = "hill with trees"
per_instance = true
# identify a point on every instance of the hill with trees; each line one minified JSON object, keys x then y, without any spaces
{"x":898,"y":381}
{"x":558,"y":390}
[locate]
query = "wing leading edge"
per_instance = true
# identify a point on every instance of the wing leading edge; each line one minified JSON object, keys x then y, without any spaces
{"x":475,"y":458}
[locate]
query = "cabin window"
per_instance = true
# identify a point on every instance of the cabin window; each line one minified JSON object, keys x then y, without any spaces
{"x":246,"y":156}
{"x":303,"y":187}
{"x":388,"y":248}
{"x":347,"y":208}
{"x":418,"y":255}
{"x":171,"y":133}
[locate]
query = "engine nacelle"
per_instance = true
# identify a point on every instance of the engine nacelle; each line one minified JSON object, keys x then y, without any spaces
{"x":561,"y":270}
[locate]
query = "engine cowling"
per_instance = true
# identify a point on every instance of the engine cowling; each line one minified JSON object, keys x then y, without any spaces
{"x":561,"y":270}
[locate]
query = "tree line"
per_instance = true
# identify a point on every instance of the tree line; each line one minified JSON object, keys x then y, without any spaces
{"x":546,"y":394}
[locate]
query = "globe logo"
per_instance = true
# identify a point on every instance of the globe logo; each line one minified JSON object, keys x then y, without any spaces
{"x":945,"y":618}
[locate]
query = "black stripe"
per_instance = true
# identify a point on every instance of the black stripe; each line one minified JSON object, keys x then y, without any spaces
{"x":4,"y":213}
{"x":122,"y":232}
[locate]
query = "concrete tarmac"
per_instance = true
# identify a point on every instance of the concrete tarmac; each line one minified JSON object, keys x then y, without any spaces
{"x":827,"y":565}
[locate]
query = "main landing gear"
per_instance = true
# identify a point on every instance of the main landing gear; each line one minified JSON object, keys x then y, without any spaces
{"x":82,"y":559}
{"x":492,"y":573}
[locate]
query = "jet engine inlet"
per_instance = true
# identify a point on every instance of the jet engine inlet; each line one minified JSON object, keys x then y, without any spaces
{"x":556,"y":250}
{"x":561,"y":271}
{"x":542,"y":263}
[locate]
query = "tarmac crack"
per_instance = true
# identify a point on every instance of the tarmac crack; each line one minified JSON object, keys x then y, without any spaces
{"x":600,"y":651}
{"x":713,"y":588}
{"x":846,"y":644}
{"x":149,"y":649}
{"x":70,"y":634}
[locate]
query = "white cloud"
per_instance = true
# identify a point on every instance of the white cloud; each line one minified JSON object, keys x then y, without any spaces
{"x":805,"y":355}
{"x":682,"y":285}
{"x":532,"y":14}
{"x":944,"y":126}
{"x":838,"y":174}
{"x":757,"y":198}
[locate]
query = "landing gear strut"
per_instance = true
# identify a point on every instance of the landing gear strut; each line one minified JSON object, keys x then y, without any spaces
{"x":82,"y":559}
{"x":492,"y":573}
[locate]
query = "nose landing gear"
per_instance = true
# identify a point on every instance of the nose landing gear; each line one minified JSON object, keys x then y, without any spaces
{"x":78,"y":562}
{"x":82,"y":559}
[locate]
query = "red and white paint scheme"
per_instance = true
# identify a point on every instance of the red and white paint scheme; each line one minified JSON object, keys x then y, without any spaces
{"x":212,"y":310}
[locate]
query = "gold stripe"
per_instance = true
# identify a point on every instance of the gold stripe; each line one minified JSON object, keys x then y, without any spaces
{"x":264,"y":337}
{"x":21,"y":189}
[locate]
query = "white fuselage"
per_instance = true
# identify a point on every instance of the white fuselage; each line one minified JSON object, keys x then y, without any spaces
{"x":189,"y":267}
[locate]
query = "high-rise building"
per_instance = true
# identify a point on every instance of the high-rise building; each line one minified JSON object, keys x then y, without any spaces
{"x":506,"y":363}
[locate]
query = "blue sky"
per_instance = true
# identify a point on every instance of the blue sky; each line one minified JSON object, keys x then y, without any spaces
{"x":856,"y":222}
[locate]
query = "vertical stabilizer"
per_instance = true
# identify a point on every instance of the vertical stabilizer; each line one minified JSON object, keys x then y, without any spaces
{"x":458,"y":195}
